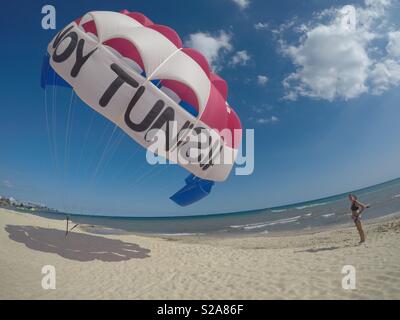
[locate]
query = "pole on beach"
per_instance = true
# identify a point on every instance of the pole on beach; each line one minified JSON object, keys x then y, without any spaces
{"x":66,"y":231}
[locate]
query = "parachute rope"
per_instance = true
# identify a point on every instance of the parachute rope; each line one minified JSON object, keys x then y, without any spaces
{"x":125,"y":165}
{"x":53,"y":122}
{"x":108,"y":157}
{"x":114,"y":148}
{"x":100,"y":162}
{"x":48,"y":127}
{"x":85,"y":142}
{"x":145,"y":174}
{"x":68,"y":132}
{"x":68,"y":127}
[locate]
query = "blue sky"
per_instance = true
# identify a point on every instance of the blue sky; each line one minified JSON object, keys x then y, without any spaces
{"x":323,"y":101}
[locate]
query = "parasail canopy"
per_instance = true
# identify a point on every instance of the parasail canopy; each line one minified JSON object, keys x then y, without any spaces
{"x":138,"y":75}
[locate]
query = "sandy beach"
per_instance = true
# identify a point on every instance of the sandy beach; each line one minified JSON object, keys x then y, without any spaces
{"x":89,"y":266}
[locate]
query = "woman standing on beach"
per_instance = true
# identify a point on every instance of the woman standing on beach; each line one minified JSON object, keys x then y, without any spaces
{"x":356,"y":209}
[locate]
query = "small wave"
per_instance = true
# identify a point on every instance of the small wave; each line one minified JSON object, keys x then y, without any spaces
{"x":277,"y":211}
{"x":257,"y":226}
{"x":266,"y":224}
{"x":308,"y":214}
{"x":180,"y":234}
{"x":238,"y":227}
{"x":396,"y":196}
{"x":329,"y":215}
{"x":311,"y":206}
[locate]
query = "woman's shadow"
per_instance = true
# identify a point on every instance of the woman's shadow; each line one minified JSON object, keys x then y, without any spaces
{"x":77,"y":246}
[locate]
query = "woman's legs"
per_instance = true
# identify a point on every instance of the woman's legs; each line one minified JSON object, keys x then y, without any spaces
{"x":360,"y":230}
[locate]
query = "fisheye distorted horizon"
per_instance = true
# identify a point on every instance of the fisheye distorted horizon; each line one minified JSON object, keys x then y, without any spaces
{"x":318,"y":83}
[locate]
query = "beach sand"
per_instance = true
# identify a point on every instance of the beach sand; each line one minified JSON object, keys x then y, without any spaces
{"x":89,"y":266}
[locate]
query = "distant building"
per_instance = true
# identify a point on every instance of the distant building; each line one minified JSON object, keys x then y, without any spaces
{"x":15,"y":202}
{"x":12,"y":202}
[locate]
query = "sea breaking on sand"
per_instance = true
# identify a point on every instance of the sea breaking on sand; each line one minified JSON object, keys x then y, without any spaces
{"x":129,"y":266}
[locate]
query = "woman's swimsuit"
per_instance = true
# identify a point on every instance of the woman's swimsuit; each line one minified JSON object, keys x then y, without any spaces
{"x":356,"y":216}
{"x":354,"y":207}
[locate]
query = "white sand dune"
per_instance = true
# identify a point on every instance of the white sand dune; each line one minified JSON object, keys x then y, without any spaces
{"x":135,"y":267}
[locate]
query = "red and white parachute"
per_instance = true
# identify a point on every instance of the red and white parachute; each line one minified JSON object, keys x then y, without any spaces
{"x":138,"y":75}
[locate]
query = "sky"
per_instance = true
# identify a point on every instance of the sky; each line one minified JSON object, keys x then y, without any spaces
{"x":318,"y":81}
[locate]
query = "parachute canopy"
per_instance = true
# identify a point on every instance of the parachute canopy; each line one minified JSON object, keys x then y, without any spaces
{"x":138,"y":75}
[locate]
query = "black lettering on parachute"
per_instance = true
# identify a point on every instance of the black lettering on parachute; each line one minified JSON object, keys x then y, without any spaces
{"x":73,"y":44}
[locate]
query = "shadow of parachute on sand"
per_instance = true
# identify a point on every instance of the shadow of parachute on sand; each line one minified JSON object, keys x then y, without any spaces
{"x":77,"y":246}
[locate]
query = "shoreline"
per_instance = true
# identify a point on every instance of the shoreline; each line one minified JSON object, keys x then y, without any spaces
{"x":275,"y":234}
{"x":98,"y":228}
{"x":131,"y":266}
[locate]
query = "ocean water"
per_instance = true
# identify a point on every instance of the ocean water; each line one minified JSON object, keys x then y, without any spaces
{"x":384,"y":199}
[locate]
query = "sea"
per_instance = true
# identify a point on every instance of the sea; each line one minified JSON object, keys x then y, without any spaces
{"x":384,"y":200}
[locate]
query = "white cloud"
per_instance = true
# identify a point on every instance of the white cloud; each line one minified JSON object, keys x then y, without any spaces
{"x":267,"y":120}
{"x":240,"y":58}
{"x":284,"y":27}
{"x":263,"y":109}
{"x":211,"y":46}
{"x":385,"y":74}
{"x":7,"y":184}
{"x":332,"y":57}
{"x":261,"y":25}
{"x":393,"y":46}
{"x":262,"y":115}
{"x":243,"y":4}
{"x":331,"y":62}
{"x":262,"y":80}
